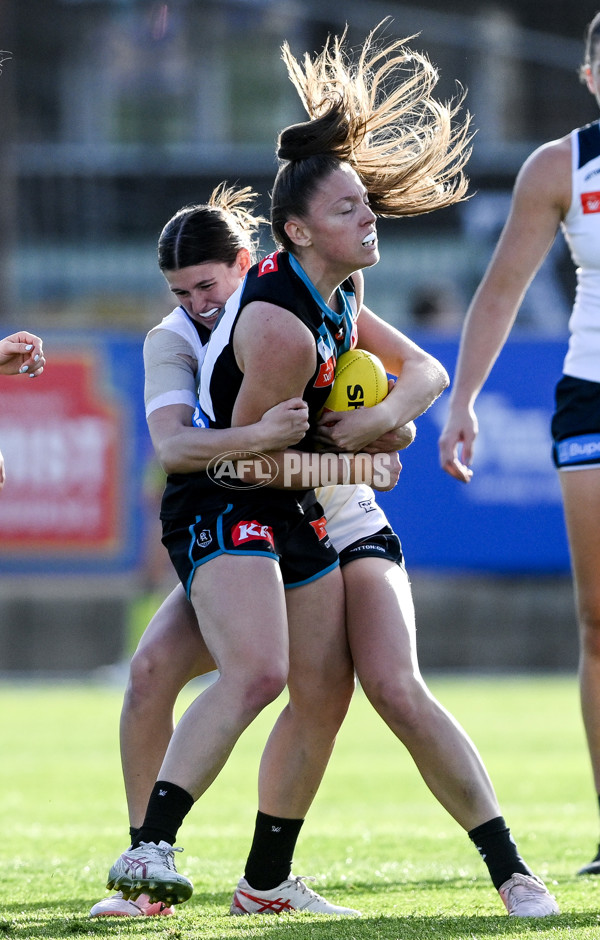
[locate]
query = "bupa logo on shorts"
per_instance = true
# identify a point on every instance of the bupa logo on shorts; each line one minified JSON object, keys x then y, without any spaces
{"x":242,"y":473}
{"x":251,"y":532}
{"x":320,"y":527}
{"x":268,"y":264}
{"x":590,"y":202}
{"x":204,"y":538}
{"x":585,"y":448}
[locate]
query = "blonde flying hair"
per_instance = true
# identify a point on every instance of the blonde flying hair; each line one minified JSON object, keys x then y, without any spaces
{"x":377,"y":114}
{"x":212,"y":231}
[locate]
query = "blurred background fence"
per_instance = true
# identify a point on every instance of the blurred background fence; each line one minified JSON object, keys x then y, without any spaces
{"x":117,"y":112}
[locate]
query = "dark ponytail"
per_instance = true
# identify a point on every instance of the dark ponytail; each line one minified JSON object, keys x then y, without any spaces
{"x":212,"y":231}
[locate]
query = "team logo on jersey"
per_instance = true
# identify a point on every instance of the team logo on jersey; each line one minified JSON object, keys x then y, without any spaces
{"x":590,"y":202}
{"x":252,"y":531}
{"x":204,"y":538}
{"x":268,"y":264}
{"x":367,"y":505}
{"x":320,"y":527}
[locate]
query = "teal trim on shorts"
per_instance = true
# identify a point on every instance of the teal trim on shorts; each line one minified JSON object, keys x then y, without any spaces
{"x":315,"y":577}
{"x":222,"y":550}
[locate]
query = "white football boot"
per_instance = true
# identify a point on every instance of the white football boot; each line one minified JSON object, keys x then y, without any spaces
{"x":150,"y":869}
{"x":527,"y":896}
{"x":290,"y":895}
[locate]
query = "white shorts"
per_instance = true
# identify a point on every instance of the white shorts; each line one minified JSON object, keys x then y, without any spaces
{"x":351,"y":513}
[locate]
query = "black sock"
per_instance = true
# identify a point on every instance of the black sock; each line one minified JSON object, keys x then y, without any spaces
{"x":133,"y":831}
{"x":167,"y":807}
{"x":498,"y":849}
{"x":270,"y":859}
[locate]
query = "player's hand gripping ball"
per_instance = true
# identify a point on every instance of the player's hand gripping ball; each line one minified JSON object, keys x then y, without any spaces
{"x":360,"y":381}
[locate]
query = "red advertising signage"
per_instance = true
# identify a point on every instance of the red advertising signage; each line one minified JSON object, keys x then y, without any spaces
{"x":61,"y":436}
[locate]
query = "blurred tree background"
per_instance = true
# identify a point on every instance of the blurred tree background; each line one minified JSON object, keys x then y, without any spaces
{"x":117,"y":112}
{"x":114,"y":114}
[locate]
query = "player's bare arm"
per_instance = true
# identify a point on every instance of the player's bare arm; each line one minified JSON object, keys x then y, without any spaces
{"x":276,"y":353}
{"x":541,"y":199}
{"x":181,"y":448}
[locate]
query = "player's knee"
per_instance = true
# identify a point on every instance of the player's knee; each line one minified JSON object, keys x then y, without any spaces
{"x":334,"y":708}
{"x":144,"y":670}
{"x":329,"y":699}
{"x":262,"y":686}
{"x":400,"y":702}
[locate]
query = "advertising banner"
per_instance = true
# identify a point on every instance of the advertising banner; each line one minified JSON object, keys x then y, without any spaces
{"x":78,"y":454}
{"x":74,"y":443}
{"x":509,"y":518}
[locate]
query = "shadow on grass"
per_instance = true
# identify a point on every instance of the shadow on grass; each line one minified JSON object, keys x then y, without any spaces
{"x":207,"y":918}
{"x":60,"y":924}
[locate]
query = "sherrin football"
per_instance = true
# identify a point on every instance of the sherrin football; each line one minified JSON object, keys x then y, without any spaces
{"x":360,"y":381}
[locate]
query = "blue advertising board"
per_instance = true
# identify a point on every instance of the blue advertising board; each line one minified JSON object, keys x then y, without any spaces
{"x":77,"y":452}
{"x":509,"y":518}
{"x":76,"y":447}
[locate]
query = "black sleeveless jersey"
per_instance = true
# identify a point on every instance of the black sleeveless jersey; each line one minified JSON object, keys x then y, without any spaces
{"x":278,"y":279}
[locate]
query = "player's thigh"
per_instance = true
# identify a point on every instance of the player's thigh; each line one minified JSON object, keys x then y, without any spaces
{"x":319,"y":651}
{"x":173,"y":639}
{"x":581,"y":499}
{"x":380,"y":620}
{"x":241,"y":602}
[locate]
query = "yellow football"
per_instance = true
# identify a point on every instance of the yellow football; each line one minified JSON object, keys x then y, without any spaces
{"x":360,"y":381}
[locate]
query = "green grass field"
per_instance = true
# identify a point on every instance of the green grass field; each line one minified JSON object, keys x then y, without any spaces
{"x":375,"y":838}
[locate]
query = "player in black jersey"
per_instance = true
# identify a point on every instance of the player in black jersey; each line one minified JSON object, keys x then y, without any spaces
{"x":204,"y":251}
{"x":334,"y":166}
{"x":238,"y":549}
{"x":356,"y":155}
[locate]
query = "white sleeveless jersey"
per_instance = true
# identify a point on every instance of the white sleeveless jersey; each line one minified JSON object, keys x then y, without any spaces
{"x":581,"y":228}
{"x":169,"y":377}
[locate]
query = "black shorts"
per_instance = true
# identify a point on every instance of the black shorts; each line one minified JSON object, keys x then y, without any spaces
{"x":296,"y":538}
{"x":576,"y":424}
{"x":383,"y":544}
